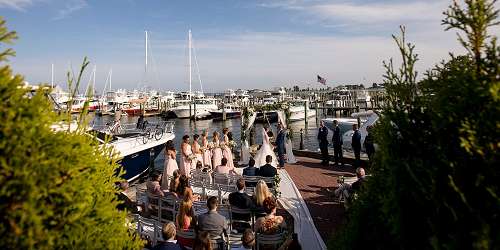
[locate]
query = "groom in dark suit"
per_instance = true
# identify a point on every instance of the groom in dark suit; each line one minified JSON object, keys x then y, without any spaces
{"x":280,"y":145}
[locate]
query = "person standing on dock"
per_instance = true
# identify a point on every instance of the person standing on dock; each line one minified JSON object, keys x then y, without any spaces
{"x":170,"y":164}
{"x":226,"y":149}
{"x":356,"y":144}
{"x":196,"y":151}
{"x":216,"y":151}
{"x":368,"y":144}
{"x":337,"y":143}
{"x":323,"y":143}
{"x":207,"y":154}
{"x":186,"y":156}
{"x":280,"y":145}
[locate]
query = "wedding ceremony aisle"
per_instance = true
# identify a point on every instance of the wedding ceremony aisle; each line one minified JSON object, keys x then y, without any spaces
{"x":312,"y":181}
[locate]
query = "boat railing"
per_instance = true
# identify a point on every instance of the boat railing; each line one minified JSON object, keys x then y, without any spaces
{"x":145,"y":131}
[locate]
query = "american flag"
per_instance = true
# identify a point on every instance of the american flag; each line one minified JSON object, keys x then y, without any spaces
{"x":321,"y":80}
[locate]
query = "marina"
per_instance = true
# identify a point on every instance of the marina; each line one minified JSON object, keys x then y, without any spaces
{"x":249,"y":125}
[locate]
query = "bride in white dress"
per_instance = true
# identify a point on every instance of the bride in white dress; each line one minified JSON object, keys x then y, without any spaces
{"x":265,"y":149}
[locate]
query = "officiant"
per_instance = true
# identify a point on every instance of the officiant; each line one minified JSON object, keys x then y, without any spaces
{"x":280,"y":145}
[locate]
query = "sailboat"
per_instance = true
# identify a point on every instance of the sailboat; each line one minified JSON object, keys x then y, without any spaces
{"x":200,"y":106}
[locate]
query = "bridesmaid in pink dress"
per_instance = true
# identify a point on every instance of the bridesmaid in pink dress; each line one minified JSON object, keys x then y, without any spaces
{"x":227,"y":152}
{"x":207,"y":155}
{"x":216,"y":151}
{"x":185,"y":167}
{"x":170,"y":164}
{"x":196,"y":151}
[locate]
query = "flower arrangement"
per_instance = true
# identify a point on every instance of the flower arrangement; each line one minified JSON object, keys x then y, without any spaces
{"x":276,"y":183}
{"x":192,"y":157}
{"x":232,"y":144}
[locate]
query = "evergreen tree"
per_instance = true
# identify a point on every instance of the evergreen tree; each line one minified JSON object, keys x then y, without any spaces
{"x":56,"y":188}
{"x":436,"y":178}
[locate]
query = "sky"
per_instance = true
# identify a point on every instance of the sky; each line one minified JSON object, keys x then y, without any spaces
{"x":238,"y":43}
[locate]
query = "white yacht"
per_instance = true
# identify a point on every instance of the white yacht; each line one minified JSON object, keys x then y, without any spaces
{"x":230,"y":110}
{"x":298,"y":110}
{"x":203,"y":108}
{"x":59,"y":95}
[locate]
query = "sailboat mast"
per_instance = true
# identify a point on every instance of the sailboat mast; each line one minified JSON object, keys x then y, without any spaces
{"x":110,"y":75}
{"x":52,"y":77}
{"x":93,"y":80}
{"x":189,"y":48}
{"x":146,"y":54}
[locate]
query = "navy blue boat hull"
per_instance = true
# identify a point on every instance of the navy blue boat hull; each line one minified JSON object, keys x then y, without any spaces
{"x":138,"y":163}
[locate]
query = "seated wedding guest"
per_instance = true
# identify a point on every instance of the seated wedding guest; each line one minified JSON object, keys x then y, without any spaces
{"x":202,"y":242}
{"x":174,"y":183}
{"x":261,"y":193}
{"x":199,"y":165}
{"x":153,"y":185}
{"x":224,"y":168}
{"x":189,"y":196}
{"x":169,"y":243}
{"x":251,"y":170}
{"x":271,"y":223}
{"x":184,"y":221}
{"x":347,"y":190}
{"x":247,"y":240}
{"x":184,"y":191}
{"x":125,"y":201}
{"x":360,"y":173}
{"x":183,"y":185}
{"x":267,"y":170}
{"x":211,"y":221}
{"x":242,"y":200}
{"x":199,"y":174}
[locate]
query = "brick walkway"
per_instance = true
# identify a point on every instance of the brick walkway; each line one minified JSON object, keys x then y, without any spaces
{"x":312,"y":180}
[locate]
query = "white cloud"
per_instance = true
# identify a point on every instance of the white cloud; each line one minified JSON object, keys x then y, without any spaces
{"x":361,"y":16}
{"x":381,"y":12}
{"x":19,"y":5}
{"x":70,"y":7}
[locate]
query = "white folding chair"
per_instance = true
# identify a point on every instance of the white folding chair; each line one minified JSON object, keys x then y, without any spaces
{"x":188,"y":235}
{"x":146,"y":229}
{"x":167,"y":209}
{"x":274,"y":240}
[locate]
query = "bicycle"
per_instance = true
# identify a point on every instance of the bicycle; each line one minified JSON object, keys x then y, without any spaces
{"x":114,"y":127}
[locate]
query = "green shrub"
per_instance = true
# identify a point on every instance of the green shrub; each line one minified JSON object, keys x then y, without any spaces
{"x":56,"y":189}
{"x":436,"y":177}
